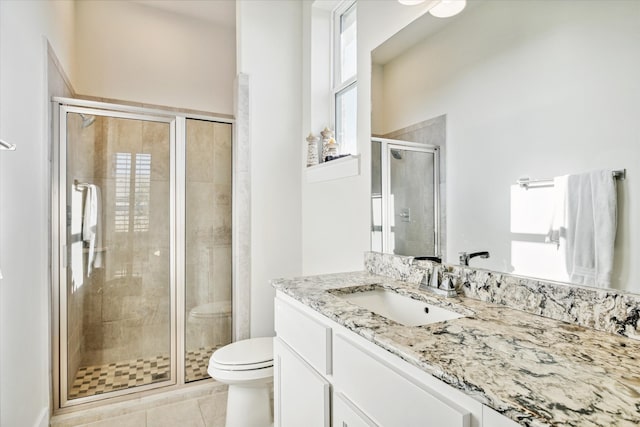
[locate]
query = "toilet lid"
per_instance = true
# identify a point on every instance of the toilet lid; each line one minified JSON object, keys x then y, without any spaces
{"x":253,"y":353}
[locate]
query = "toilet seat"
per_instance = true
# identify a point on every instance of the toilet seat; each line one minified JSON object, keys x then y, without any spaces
{"x":245,"y":355}
{"x":211,"y":310}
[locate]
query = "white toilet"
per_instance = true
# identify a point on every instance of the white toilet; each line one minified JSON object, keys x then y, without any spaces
{"x":247,"y":367}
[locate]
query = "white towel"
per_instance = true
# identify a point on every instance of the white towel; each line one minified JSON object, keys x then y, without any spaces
{"x":584,"y":225}
{"x":92,"y":227}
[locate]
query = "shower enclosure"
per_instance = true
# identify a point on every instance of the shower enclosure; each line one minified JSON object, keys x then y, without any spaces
{"x":405,"y":198}
{"x":141,"y":249}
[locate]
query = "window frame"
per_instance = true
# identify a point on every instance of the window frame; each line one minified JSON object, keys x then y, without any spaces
{"x":340,"y":87}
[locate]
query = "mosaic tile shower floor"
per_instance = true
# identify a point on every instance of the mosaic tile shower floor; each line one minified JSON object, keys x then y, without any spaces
{"x":99,"y":379}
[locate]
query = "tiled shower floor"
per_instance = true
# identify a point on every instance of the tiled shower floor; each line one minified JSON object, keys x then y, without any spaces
{"x":99,"y":379}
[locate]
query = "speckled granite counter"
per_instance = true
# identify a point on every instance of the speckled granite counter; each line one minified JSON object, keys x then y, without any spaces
{"x":534,"y":370}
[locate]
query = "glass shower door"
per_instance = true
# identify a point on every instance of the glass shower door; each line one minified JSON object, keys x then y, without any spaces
{"x":207,"y":243}
{"x":412,"y":210}
{"x":117,"y":320}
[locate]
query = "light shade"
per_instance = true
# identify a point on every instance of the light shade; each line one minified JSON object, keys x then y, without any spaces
{"x":410,"y":2}
{"x":447,"y":8}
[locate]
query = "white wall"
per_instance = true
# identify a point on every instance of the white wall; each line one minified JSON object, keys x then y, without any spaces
{"x":541,"y":95}
{"x":24,"y":203}
{"x":144,"y":54}
{"x":336,"y":214}
{"x":270,"y":52}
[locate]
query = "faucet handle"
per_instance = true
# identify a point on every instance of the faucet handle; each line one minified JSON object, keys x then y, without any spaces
{"x":447,"y":282}
{"x":464,"y":258}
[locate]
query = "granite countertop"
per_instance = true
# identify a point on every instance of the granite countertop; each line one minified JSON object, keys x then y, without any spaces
{"x":535,"y":370}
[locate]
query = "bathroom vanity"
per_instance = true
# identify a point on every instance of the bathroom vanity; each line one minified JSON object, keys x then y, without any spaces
{"x":337,"y":363}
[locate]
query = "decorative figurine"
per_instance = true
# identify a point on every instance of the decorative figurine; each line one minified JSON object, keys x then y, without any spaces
{"x":327,"y":134}
{"x":312,"y":150}
{"x":332,"y":150}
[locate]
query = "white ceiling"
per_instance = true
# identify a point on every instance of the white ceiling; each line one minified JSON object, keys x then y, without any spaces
{"x":220,"y":12}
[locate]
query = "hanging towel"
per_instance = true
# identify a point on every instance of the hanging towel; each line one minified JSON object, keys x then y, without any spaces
{"x":92,"y":227}
{"x":584,"y":225}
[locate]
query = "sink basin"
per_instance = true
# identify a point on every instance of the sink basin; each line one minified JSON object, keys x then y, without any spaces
{"x":399,"y":308}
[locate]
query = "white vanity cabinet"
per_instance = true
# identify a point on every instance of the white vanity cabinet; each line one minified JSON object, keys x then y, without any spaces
{"x":388,"y":395}
{"x":491,"y":418}
{"x":347,"y":414}
{"x":302,"y":396}
{"x":302,"y":359}
{"x":326,"y":374}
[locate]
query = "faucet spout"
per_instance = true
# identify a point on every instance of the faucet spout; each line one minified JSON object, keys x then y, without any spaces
{"x":435,"y":278}
{"x":438,"y":282}
{"x":465,"y":257}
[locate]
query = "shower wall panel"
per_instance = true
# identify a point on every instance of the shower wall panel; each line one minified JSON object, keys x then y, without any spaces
{"x":208,"y":241}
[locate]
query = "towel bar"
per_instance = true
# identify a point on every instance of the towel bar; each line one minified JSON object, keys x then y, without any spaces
{"x":80,"y":186}
{"x":4,"y":145}
{"x":527,"y":183}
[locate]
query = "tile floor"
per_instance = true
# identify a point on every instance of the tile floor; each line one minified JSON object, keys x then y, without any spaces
{"x":99,"y":379}
{"x":198,"y":406}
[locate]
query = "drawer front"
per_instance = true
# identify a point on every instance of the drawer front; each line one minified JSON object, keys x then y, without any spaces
{"x":491,"y":418}
{"x":346,"y":414}
{"x":301,"y":395}
{"x":386,"y":395}
{"x":308,"y":337}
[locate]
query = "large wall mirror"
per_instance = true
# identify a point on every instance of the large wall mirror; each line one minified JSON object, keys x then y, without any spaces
{"x":529,"y":88}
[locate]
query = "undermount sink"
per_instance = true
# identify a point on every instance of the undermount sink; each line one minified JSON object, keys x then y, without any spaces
{"x":399,"y":308}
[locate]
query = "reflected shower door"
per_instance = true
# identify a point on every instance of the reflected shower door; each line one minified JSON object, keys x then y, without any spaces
{"x":207,"y":243}
{"x":116,"y":314}
{"x":411,"y":198}
{"x":405,"y":198}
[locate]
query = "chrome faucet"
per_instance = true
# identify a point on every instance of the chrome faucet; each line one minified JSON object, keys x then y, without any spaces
{"x":465,"y":257}
{"x":439,"y":282}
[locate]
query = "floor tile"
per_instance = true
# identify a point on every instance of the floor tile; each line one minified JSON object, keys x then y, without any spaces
{"x":181,"y":414}
{"x":214,"y":409}
{"x":136,"y":419}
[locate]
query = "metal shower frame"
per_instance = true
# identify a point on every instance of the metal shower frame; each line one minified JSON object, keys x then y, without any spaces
{"x":177,"y":144}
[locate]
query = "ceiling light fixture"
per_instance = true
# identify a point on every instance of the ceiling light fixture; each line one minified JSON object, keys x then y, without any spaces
{"x":447,"y":8}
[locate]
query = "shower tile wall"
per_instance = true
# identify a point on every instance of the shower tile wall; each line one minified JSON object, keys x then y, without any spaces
{"x":208,"y":236}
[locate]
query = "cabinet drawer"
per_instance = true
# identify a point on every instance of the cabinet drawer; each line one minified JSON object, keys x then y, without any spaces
{"x":308,"y":337}
{"x":491,"y":418}
{"x":346,"y":414}
{"x":387,"y":396}
{"x":301,"y":394}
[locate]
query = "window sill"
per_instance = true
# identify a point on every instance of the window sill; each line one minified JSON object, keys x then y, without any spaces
{"x":335,"y":169}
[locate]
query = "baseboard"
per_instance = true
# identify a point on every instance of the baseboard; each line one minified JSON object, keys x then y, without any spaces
{"x":43,"y":419}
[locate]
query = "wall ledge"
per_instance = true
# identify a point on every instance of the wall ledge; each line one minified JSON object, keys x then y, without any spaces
{"x":335,"y":169}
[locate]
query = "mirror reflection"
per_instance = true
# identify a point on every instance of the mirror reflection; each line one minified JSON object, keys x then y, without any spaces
{"x":530,"y":89}
{"x":405,"y":197}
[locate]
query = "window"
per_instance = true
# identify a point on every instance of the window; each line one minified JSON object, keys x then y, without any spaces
{"x":125,"y":215}
{"x":345,"y":87}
